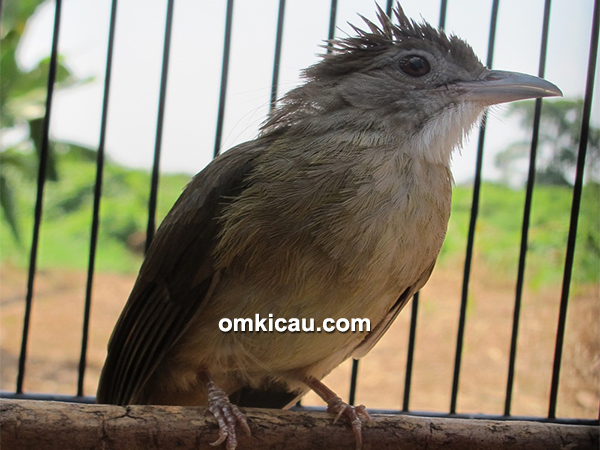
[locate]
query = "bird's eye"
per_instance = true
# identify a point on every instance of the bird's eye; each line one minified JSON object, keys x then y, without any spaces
{"x":415,"y":66}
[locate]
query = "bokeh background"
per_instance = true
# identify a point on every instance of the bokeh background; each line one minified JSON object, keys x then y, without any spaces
{"x":188,"y":144}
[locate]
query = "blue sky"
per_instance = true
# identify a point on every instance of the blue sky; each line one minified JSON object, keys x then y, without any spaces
{"x":196,"y":53}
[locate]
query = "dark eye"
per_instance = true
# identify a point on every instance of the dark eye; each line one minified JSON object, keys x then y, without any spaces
{"x":415,"y":66}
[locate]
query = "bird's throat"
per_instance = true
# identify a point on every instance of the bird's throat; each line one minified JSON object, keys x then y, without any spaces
{"x":446,"y":131}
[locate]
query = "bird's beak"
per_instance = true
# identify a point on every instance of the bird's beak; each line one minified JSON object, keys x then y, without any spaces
{"x":501,"y":87}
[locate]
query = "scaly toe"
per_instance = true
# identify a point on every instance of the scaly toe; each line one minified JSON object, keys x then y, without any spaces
{"x":362,"y":412}
{"x":227,"y":415}
{"x":338,"y":407}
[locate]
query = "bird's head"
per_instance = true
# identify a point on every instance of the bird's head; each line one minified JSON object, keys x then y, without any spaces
{"x":408,"y":81}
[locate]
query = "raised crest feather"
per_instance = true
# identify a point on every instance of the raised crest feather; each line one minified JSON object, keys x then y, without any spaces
{"x":387,"y":33}
{"x":358,"y":52}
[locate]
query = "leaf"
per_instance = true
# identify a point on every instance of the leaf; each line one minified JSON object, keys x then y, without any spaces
{"x":559,"y":135}
{"x":23,"y":163}
{"x":8,"y":207}
{"x":36,"y":129}
{"x":15,"y":14}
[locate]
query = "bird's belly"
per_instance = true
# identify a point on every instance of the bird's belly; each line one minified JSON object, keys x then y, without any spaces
{"x":309,"y":338}
{"x":369,"y":294}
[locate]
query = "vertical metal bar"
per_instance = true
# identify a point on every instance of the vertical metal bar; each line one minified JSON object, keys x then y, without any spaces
{"x":224,"y":75}
{"x":410,"y":355}
{"x":332,"y":21}
{"x":575,"y":207}
{"x":277,"y":58}
{"x":159,"y":126}
{"x":41,"y":181}
{"x":443,"y":13}
{"x":97,"y":198}
{"x":526,"y":217}
{"x":472,"y":225}
{"x":412,"y":335}
{"x":389,"y":7}
{"x":353,"y":382}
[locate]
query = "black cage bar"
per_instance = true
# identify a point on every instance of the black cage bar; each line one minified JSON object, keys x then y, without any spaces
{"x":404,"y":404}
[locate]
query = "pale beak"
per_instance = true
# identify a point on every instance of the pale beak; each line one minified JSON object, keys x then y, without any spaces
{"x":501,"y":87}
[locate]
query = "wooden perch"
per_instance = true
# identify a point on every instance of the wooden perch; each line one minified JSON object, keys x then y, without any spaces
{"x":42,"y":425}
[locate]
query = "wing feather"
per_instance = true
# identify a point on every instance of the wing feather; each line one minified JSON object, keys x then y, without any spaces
{"x":174,"y":279}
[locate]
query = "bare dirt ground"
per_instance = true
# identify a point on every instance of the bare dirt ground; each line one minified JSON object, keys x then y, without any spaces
{"x":56,"y":322}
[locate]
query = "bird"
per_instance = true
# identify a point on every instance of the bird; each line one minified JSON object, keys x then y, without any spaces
{"x":336,"y":210}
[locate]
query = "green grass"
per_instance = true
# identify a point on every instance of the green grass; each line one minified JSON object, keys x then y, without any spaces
{"x":65,"y":233}
{"x":499,"y":230}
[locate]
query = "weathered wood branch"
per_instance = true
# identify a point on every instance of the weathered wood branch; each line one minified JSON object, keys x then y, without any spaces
{"x":44,"y":425}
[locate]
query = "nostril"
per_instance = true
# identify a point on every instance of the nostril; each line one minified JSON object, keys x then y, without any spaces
{"x":494,"y":77}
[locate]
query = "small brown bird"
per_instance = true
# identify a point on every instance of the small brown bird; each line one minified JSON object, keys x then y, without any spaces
{"x":338,"y":209}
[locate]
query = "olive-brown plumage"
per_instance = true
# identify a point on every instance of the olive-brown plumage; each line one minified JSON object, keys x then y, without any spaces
{"x":337,"y":210}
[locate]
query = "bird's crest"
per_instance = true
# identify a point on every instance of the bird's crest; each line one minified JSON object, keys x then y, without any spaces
{"x":358,"y":52}
{"x":386,"y":33}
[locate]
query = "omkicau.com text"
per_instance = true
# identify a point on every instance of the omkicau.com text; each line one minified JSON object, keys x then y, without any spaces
{"x":293,"y":325}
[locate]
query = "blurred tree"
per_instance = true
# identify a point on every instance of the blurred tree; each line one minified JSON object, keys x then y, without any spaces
{"x":22,"y":107}
{"x":558,"y":143}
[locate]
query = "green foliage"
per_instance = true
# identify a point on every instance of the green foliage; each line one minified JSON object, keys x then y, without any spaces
{"x":22,"y":107}
{"x":67,"y":214}
{"x":587,"y":251}
{"x":560,"y":128}
{"x":23,"y":94}
{"x":498,"y":232}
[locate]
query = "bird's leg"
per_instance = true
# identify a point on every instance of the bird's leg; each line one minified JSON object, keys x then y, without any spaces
{"x":226,"y":413}
{"x":335,"y":405}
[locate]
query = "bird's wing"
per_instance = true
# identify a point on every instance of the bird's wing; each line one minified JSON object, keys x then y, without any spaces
{"x":373,"y":337}
{"x":176,"y":276}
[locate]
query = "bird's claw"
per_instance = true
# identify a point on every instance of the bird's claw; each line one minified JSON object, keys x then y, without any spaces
{"x":227,"y":415}
{"x":356,"y":414}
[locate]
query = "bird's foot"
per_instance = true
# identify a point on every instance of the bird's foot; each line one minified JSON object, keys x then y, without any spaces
{"x":356,"y":414}
{"x":227,"y":415}
{"x":336,"y":406}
